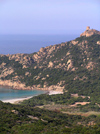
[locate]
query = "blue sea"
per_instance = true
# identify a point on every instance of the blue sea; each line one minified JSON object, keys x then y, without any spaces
{"x":12,"y":44}
{"x":9,"y":94}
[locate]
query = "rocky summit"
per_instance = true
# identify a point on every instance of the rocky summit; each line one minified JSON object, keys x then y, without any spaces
{"x":72,"y":66}
{"x":90,"y":32}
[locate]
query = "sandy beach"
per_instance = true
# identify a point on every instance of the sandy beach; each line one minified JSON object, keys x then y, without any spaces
{"x":55,"y":92}
{"x":16,"y":101}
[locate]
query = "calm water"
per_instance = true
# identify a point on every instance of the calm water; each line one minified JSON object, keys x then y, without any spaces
{"x":11,"y":44}
{"x":8,"y":94}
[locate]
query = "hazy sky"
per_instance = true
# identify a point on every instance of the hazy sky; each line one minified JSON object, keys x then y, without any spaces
{"x":48,"y":16}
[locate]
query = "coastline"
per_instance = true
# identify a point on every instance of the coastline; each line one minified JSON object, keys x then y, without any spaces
{"x":18,"y":100}
{"x":53,"y":89}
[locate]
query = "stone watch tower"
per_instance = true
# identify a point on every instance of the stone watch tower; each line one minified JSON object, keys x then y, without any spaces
{"x":87,"y":28}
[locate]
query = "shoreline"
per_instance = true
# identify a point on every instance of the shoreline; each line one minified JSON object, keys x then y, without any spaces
{"x":53,"y":89}
{"x":18,"y":100}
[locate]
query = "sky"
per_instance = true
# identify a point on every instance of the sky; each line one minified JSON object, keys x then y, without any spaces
{"x":48,"y":16}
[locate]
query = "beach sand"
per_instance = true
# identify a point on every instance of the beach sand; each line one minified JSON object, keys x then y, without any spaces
{"x":55,"y":92}
{"x":18,"y":100}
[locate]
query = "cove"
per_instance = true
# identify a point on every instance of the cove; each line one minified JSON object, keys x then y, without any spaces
{"x":8,"y":94}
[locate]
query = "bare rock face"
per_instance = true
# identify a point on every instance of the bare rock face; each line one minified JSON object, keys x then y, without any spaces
{"x":98,"y":42}
{"x":50,"y":64}
{"x":70,"y":64}
{"x":42,"y":49}
{"x":89,"y":32}
{"x":74,"y":42}
{"x":5,"y":72}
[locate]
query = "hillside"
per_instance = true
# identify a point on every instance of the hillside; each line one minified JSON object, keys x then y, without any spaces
{"x":73,"y":66}
{"x":18,"y":119}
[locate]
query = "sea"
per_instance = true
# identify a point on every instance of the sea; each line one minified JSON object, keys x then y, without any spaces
{"x":12,"y":44}
{"x":11,"y":94}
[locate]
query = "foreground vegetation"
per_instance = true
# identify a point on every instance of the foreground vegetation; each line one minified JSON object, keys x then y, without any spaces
{"x":47,"y":114}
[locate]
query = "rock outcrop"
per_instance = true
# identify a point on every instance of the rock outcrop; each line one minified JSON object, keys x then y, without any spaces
{"x":98,"y":42}
{"x":23,"y":59}
{"x":89,"y":32}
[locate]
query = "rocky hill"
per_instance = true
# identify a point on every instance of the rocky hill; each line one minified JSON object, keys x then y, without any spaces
{"x":90,"y":32}
{"x":73,"y":66}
